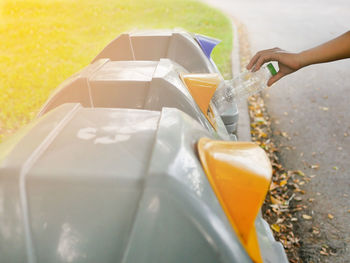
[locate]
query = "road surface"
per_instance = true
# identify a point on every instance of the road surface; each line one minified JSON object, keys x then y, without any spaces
{"x":313,"y":107}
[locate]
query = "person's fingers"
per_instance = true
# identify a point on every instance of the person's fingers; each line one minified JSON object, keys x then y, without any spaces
{"x":267,"y":57}
{"x":275,"y":78}
{"x":261,"y":60}
{"x":253,"y":60}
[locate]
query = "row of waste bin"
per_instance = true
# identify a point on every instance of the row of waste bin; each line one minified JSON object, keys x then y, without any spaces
{"x":128,"y":161}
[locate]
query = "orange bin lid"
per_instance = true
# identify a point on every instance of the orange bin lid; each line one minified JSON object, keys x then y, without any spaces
{"x":240,"y":174}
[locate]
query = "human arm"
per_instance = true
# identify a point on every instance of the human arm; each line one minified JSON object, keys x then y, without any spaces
{"x":335,"y":49}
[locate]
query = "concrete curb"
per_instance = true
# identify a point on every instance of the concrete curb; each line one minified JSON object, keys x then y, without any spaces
{"x":243,"y":128}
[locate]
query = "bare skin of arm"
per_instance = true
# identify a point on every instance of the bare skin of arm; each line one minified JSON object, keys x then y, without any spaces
{"x":335,"y":49}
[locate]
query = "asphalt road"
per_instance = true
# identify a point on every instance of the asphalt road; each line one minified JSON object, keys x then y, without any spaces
{"x":312,"y":107}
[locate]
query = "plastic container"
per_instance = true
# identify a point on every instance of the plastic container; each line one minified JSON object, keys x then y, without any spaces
{"x":241,"y":87}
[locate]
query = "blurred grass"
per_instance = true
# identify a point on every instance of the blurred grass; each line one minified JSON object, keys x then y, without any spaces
{"x":44,"y":42}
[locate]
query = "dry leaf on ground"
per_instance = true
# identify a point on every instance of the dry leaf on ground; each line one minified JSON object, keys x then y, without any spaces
{"x":307,"y":217}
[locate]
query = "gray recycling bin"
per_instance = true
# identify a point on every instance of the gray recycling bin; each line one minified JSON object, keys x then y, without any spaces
{"x":149,"y":85}
{"x":184,"y":52}
{"x":116,"y":185}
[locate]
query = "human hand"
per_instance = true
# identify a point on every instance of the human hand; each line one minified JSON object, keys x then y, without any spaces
{"x":287,"y":62}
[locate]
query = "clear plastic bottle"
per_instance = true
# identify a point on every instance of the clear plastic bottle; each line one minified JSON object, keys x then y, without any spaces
{"x":241,"y":87}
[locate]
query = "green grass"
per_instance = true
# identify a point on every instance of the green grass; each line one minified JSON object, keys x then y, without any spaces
{"x":44,"y":42}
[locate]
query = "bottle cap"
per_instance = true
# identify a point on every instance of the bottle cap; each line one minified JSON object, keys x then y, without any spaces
{"x":271,"y":69}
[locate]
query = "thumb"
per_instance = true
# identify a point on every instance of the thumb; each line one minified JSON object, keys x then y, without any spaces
{"x":275,"y":78}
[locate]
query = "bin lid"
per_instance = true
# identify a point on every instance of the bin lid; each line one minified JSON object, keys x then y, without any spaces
{"x":113,"y":185}
{"x":97,"y":184}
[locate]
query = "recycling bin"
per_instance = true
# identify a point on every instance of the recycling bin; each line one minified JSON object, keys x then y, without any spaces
{"x":182,"y":51}
{"x":131,"y":185}
{"x":149,"y":85}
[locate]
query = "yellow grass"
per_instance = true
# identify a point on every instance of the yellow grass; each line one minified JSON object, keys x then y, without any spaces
{"x":44,"y":42}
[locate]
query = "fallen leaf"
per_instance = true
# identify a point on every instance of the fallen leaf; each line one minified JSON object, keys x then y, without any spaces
{"x":315,"y":166}
{"x":283,"y":182}
{"x":279,"y":221}
{"x":298,"y":190}
{"x":330,"y":216}
{"x":284,"y":134}
{"x":307,"y":217}
{"x":276,"y":228}
{"x":300,"y":173}
{"x":275,"y":201}
{"x":273,"y":186}
{"x":335,"y":168}
{"x":263,"y":134}
{"x":324,"y":108}
{"x":260,"y":120}
{"x":315,"y":231}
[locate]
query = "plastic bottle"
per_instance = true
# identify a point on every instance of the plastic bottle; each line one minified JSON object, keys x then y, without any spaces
{"x":241,"y":87}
